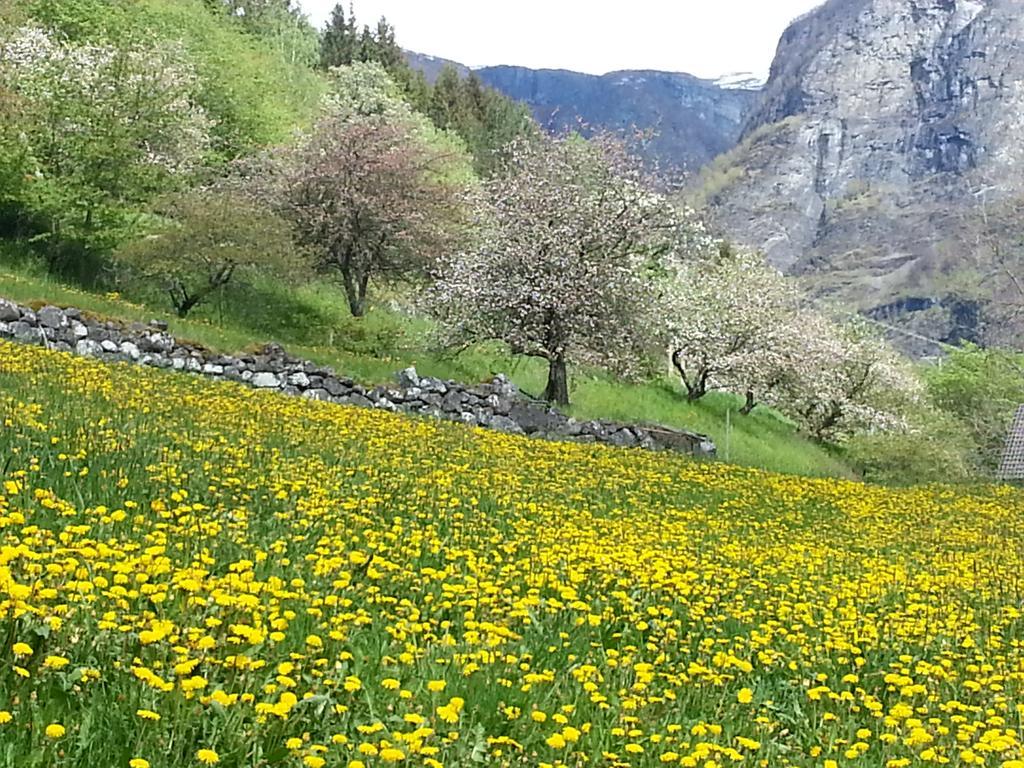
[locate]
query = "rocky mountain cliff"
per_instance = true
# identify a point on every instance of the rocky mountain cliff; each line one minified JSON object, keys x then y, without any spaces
{"x":886,"y":131}
{"x":691,"y":120}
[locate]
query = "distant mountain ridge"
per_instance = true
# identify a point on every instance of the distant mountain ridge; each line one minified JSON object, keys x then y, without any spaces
{"x":692,"y":120}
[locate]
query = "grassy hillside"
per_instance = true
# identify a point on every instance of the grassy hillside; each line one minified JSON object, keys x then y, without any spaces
{"x":196,"y":573}
{"x":314,"y":324}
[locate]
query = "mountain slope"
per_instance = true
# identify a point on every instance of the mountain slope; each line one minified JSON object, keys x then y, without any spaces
{"x":692,"y":120}
{"x":432,"y":66}
{"x":884,"y":126}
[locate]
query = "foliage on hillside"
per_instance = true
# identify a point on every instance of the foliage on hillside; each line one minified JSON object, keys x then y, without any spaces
{"x":485,"y":119}
{"x":198,"y":573}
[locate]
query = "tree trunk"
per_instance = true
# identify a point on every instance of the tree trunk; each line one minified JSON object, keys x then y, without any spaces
{"x":694,"y":390}
{"x":355,"y":292}
{"x":749,"y":405}
{"x":557,"y":391}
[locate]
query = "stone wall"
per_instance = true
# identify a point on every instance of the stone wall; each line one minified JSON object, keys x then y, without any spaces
{"x":496,"y":404}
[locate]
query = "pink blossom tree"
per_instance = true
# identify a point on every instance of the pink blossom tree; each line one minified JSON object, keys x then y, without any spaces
{"x":372,"y":190}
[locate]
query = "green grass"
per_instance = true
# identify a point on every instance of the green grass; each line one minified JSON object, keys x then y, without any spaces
{"x":313,"y":322}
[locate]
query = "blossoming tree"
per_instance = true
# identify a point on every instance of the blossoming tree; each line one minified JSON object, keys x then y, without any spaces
{"x":105,"y":127}
{"x":560,"y":270}
{"x":728,"y":318}
{"x":373,"y":190}
{"x":844,"y":379}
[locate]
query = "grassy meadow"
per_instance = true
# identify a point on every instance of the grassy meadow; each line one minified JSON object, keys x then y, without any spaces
{"x":195,"y":573}
{"x":313,"y":322}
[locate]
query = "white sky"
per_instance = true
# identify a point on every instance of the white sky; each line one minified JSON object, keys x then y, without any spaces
{"x":706,"y":38}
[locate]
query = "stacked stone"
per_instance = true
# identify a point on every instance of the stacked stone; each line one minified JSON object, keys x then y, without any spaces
{"x":497,"y":404}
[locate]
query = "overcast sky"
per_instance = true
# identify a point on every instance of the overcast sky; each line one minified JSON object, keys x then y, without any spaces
{"x":703,"y":37}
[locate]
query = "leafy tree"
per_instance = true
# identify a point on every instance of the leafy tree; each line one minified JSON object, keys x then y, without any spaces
{"x":487,"y":120}
{"x":729,"y":317}
{"x":981,"y":389}
{"x":280,"y":23}
{"x":373,"y":190}
{"x":560,"y":269}
{"x":106,"y":127}
{"x":934,"y":448}
{"x":252,"y":92}
{"x":339,"y":41}
{"x":207,"y":240}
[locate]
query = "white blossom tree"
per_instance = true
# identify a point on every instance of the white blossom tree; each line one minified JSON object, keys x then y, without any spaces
{"x":728,"y":318}
{"x":844,"y":380}
{"x":106,"y":126}
{"x":569,"y":233}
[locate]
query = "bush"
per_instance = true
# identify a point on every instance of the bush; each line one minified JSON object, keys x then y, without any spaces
{"x":206,"y":241}
{"x":937,"y":449}
{"x":981,"y":389}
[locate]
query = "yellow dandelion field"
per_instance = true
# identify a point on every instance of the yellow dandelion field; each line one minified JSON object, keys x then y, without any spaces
{"x":195,"y":573}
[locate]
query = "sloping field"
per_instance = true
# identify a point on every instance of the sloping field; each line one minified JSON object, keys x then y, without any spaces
{"x":196,"y":573}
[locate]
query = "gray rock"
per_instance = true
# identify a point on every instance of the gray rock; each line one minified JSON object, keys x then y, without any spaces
{"x":300,"y":380}
{"x":79,"y":330}
{"x":130,"y":350}
{"x":356,"y":399}
{"x":25,"y":333}
{"x":624,"y":438}
{"x":335,"y":387}
{"x":52,"y":317}
{"x":536,"y":418}
{"x":408,"y":378}
{"x":88,"y":348}
{"x":503,"y":424}
{"x":109,"y":346}
{"x":453,"y":401}
{"x":213,"y":370}
{"x":432,"y":399}
{"x":501,"y":385}
{"x":9,"y":311}
{"x":156,"y":342}
{"x":160,"y":325}
{"x":316,"y":394}
{"x":436,"y":386}
{"x":266,"y":380}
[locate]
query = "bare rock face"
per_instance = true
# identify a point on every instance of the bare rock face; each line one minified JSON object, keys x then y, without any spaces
{"x":884,"y":125}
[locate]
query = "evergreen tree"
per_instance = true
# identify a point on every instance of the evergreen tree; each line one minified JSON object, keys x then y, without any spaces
{"x":339,"y":42}
{"x":446,"y":101}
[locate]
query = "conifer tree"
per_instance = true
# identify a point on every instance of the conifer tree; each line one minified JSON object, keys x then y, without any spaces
{"x":339,"y":42}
